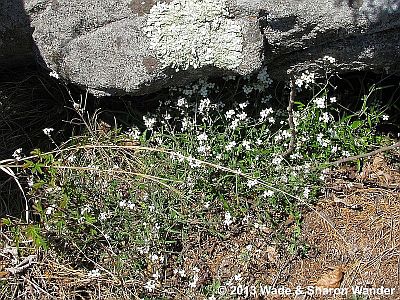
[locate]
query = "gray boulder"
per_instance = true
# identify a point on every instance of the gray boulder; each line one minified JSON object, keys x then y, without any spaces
{"x":359,"y":34}
{"x":140,"y":46}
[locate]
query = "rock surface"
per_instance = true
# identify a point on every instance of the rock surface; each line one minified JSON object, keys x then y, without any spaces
{"x":104,"y":45}
{"x":140,"y":46}
{"x":359,"y":34}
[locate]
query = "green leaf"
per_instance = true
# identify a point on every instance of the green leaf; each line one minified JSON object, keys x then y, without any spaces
{"x":33,"y":231}
{"x":356,"y":124}
{"x":6,"y":221}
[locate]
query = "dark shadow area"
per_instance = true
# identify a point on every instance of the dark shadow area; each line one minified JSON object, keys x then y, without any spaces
{"x":16,"y":43}
{"x":29,"y":102}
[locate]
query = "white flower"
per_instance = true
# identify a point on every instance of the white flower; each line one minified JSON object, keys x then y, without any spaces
{"x":229,"y":114}
{"x":194,"y":282}
{"x":320,"y":102}
{"x":346,"y":153}
{"x":244,"y":105}
{"x":329,"y":59}
{"x":306,"y":192}
{"x":277,"y":160}
{"x":207,"y":205}
{"x":268,"y":193}
{"x":263,"y":77}
{"x":156,"y":275}
{"x":193,"y":163}
{"x":325,"y":117}
{"x":230,"y":145}
{"x":54,"y":75}
{"x":182,"y":102}
{"x":30,"y":181}
{"x":204,"y":105}
{"x":266,"y":99}
{"x":238,"y":277}
{"x":202,"y":149}
{"x":154,"y":257}
{"x":259,"y":142}
{"x":333,"y":99}
{"x":71,"y":158}
{"x":265,"y":113}
{"x":133,"y":133}
{"x":86,"y":209}
{"x":250,"y":183}
{"x":246,"y":144}
{"x":167,"y":116}
{"x":247,"y":89}
{"x":320,"y":137}
{"x":306,"y":78}
{"x":144,"y":250}
{"x":323,"y":142}
{"x":150,"y":285}
{"x":186,"y":124}
{"x":228,"y":219}
{"x":94,"y":273}
{"x":385,"y":117}
{"x":229,"y":77}
{"x":47,"y":131}
{"x":149,"y":122}
{"x":103,"y":216}
{"x":76,"y":106}
{"x":234,"y":124}
{"x":17,"y":154}
{"x":182,"y":273}
{"x":296,"y":156}
{"x":260,"y":226}
{"x":122,"y":203}
{"x":249,"y":247}
{"x":202,"y":137}
{"x":242,"y":116}
{"x":212,"y":298}
{"x":50,"y":210}
{"x":271,"y":120}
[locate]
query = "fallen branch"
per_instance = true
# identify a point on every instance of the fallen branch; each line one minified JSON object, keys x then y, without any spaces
{"x":353,"y":158}
{"x":23,"y":265}
{"x":290,"y":118}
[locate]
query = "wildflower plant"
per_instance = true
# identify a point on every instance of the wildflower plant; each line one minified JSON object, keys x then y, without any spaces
{"x":209,"y":162}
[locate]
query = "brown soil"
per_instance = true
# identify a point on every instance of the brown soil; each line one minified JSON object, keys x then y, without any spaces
{"x":353,"y":236}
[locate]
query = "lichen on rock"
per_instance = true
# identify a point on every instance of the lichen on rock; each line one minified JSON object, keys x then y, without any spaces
{"x":195,"y":33}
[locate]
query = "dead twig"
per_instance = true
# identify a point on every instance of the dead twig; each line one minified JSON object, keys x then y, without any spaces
{"x":23,"y":265}
{"x":353,"y":158}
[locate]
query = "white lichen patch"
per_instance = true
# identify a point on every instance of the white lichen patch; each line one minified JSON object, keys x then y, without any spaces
{"x":195,"y":33}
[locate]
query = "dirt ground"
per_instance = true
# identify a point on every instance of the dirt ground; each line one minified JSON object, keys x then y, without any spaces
{"x":353,"y":236}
